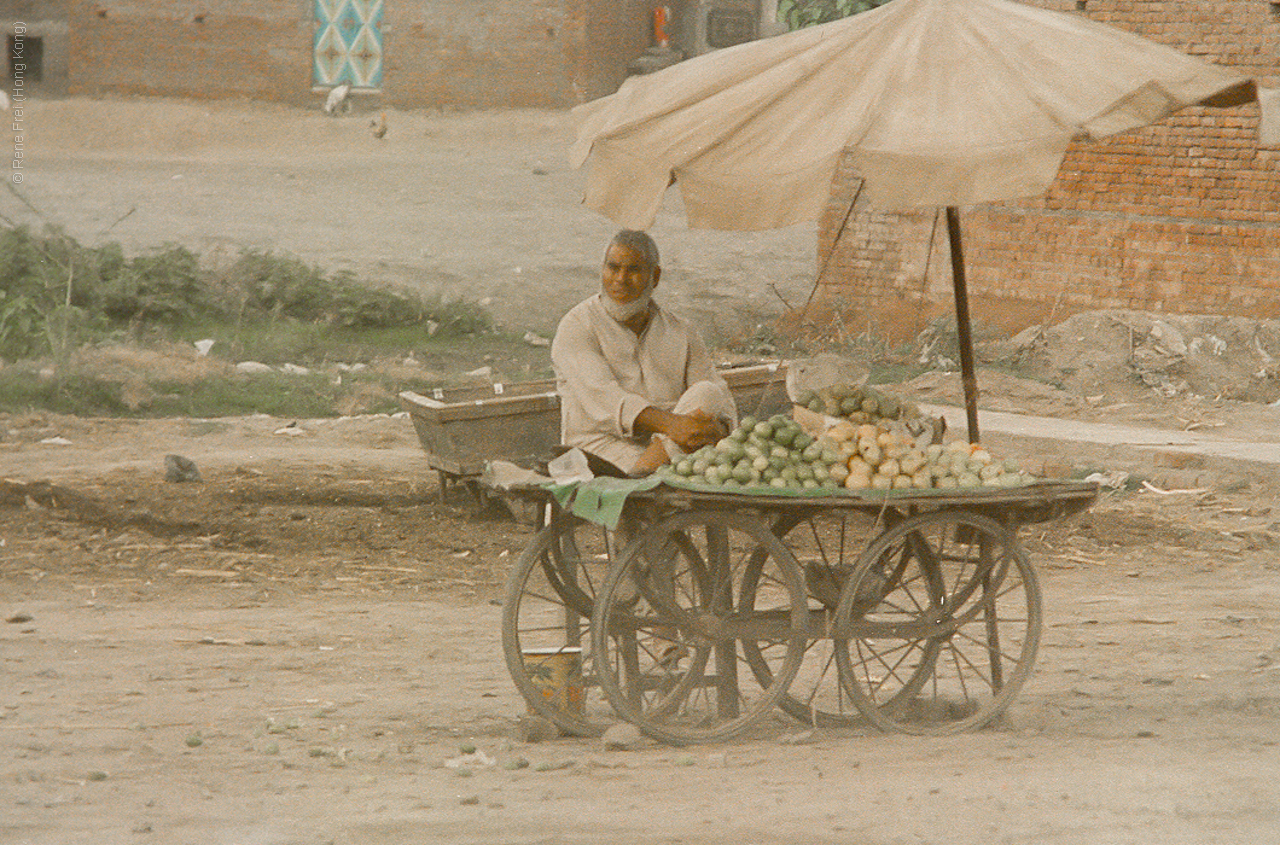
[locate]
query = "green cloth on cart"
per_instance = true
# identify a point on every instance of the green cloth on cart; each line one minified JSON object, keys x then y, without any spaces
{"x":600,"y":500}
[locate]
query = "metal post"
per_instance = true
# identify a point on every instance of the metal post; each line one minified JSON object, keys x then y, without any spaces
{"x":968,"y":377}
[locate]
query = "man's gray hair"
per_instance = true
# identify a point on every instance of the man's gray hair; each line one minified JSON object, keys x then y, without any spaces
{"x":638,"y":241}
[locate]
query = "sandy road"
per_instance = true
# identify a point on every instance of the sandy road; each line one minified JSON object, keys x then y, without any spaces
{"x":478,"y":205}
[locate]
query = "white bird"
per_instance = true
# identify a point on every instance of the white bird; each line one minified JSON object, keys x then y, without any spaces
{"x":338,"y":100}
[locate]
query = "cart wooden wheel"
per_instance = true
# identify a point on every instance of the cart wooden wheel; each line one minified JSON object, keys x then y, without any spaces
{"x":546,"y":613}
{"x":941,"y":622}
{"x":827,"y":544}
{"x":669,"y":631}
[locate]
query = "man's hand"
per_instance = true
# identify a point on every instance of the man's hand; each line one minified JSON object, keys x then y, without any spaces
{"x":695,"y":430}
{"x":688,"y":431}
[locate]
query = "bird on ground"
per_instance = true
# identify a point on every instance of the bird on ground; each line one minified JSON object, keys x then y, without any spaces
{"x":379,"y":126}
{"x":339,"y":100}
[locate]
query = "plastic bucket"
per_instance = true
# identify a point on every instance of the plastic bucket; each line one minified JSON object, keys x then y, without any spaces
{"x":556,"y":672}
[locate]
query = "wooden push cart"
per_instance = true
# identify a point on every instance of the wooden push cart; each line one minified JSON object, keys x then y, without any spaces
{"x":916,"y":612}
{"x":704,"y":609}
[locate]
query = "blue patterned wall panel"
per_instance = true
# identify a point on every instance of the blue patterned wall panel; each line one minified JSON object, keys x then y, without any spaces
{"x":348,"y":43}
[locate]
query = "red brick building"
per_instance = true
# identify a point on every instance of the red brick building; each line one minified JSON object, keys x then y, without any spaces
{"x":410,"y":53}
{"x":1181,"y":217}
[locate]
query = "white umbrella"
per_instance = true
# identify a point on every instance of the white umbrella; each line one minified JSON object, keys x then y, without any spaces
{"x":937,"y":102}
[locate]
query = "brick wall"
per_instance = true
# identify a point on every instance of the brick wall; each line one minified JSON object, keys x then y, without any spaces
{"x":205,"y":48}
{"x":1182,"y":216}
{"x":469,"y":53}
{"x":479,"y":53}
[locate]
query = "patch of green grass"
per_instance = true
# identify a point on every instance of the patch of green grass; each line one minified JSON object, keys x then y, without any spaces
{"x":57,"y":296}
{"x":21,"y":390}
{"x":277,"y":394}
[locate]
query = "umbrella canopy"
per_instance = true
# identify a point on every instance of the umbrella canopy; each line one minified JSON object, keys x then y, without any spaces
{"x":939,"y":102}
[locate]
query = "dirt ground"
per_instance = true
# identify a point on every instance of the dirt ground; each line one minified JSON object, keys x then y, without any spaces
{"x":296,"y":648}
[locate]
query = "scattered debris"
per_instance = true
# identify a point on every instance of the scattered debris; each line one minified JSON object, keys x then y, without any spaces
{"x":622,"y":737}
{"x":475,"y":760}
{"x":1115,"y":480}
{"x":1147,"y":485}
{"x":532,"y":729}
{"x":180,"y":470}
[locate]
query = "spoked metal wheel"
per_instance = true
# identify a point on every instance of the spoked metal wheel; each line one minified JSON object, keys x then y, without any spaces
{"x":941,"y":623}
{"x":826,"y":544}
{"x":670,"y":629}
{"x":546,"y":616}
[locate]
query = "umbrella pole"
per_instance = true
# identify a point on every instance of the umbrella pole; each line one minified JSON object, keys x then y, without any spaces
{"x":967,"y":375}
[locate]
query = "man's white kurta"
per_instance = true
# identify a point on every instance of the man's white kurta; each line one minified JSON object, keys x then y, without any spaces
{"x":607,"y":375}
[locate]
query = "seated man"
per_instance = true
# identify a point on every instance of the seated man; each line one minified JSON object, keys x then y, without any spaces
{"x":636,"y":384}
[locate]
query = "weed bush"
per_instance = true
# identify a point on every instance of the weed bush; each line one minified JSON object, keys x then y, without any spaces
{"x":56,"y":294}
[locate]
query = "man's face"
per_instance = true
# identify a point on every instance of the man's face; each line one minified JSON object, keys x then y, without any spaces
{"x":625,"y":275}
